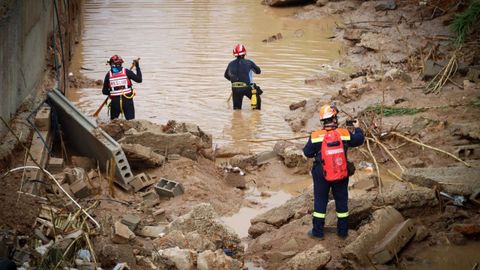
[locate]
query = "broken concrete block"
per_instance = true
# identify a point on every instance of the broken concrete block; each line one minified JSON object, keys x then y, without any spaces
{"x":80,"y":189}
{"x":173,"y":157}
{"x":152,"y":231}
{"x":83,"y":162}
{"x":382,"y":222}
{"x":471,"y":151}
{"x":131,"y":221}
{"x":142,"y":157}
{"x":73,"y":175}
{"x":42,"y":119}
{"x":159,"y":212}
{"x":168,"y":188}
{"x":394,"y":241}
{"x":453,"y":180}
{"x":140,"y":181}
{"x":150,"y":195}
{"x":67,"y":188}
{"x":314,"y":258}
{"x":46,"y":212}
{"x":122,"y":234}
{"x":55,"y":165}
{"x":264,"y":157}
{"x":234,"y":179}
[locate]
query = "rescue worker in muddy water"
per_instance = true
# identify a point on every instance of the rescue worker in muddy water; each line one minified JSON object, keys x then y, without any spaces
{"x":331,"y":170}
{"x":240,"y":73}
{"x":118,"y":86}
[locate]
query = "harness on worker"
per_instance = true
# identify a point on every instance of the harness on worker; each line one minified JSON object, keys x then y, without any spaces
{"x":334,"y":156}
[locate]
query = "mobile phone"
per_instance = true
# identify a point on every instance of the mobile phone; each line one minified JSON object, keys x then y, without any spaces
{"x":350,"y":122}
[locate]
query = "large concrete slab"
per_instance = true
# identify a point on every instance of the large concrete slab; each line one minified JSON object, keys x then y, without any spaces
{"x":89,"y":140}
{"x":453,"y":180}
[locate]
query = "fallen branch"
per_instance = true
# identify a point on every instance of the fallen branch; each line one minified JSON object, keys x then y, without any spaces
{"x":386,"y":150}
{"x":376,"y":167}
{"x":431,"y":147}
{"x":275,"y":139}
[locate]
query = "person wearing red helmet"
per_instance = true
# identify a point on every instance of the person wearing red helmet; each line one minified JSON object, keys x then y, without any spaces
{"x":118,"y":86}
{"x":328,"y":146}
{"x":240,"y":73}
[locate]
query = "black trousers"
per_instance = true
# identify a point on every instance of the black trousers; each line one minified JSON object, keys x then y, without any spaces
{"x":122,"y":104}
{"x":240,"y":92}
{"x":321,"y":188}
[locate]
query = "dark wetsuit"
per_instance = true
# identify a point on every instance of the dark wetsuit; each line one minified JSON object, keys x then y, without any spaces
{"x":239,"y":73}
{"x":321,"y":187}
{"x":127,"y":107}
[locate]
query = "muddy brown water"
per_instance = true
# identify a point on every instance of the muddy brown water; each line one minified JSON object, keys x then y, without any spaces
{"x":185,"y":47}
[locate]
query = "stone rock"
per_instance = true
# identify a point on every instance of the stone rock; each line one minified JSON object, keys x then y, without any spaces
{"x":281,"y":215}
{"x":353,"y":34}
{"x":73,"y":175}
{"x":203,"y":220}
{"x":131,"y":221}
{"x":172,"y":239}
{"x":314,"y":258}
{"x":453,"y":180}
{"x":175,"y":138}
{"x":386,"y":5}
{"x":260,"y":228}
{"x":236,"y":180}
{"x":470,"y":130}
{"x":297,"y":105}
{"x":382,"y":222}
{"x":243,"y":161}
{"x":265,"y":157}
{"x":176,"y":257}
{"x":421,"y":234}
{"x":292,"y":156}
{"x":122,"y":234}
{"x":394,"y":74}
{"x":473,"y":74}
{"x":152,"y":231}
{"x":273,"y":37}
{"x":198,"y":243}
{"x":142,"y":157}
{"x":210,"y":260}
{"x":431,"y":69}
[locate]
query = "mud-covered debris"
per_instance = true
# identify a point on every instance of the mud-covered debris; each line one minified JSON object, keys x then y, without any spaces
{"x":394,"y":74}
{"x":175,"y":258}
{"x":142,"y":157}
{"x":297,"y":105}
{"x":121,"y":233}
{"x":203,"y":219}
{"x":370,"y":234}
{"x":311,"y":259}
{"x":273,"y":38}
{"x":386,"y":5}
{"x":83,"y":162}
{"x":216,"y":260}
{"x":260,"y":228}
{"x":467,"y":229}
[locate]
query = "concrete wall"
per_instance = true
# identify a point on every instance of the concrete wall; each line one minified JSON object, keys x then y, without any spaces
{"x":24,"y":30}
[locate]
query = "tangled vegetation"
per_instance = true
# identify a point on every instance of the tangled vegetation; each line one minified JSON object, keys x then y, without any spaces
{"x":465,"y":21}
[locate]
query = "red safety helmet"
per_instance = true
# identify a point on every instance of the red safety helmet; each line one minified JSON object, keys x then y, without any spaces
{"x":239,"y":50}
{"x":115,"y":60}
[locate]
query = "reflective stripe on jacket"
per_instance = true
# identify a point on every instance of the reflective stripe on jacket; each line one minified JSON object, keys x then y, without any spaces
{"x":120,"y":84}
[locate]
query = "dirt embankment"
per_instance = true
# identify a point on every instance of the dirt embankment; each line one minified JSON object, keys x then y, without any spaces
{"x":388,"y":51}
{"x":393,"y":53}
